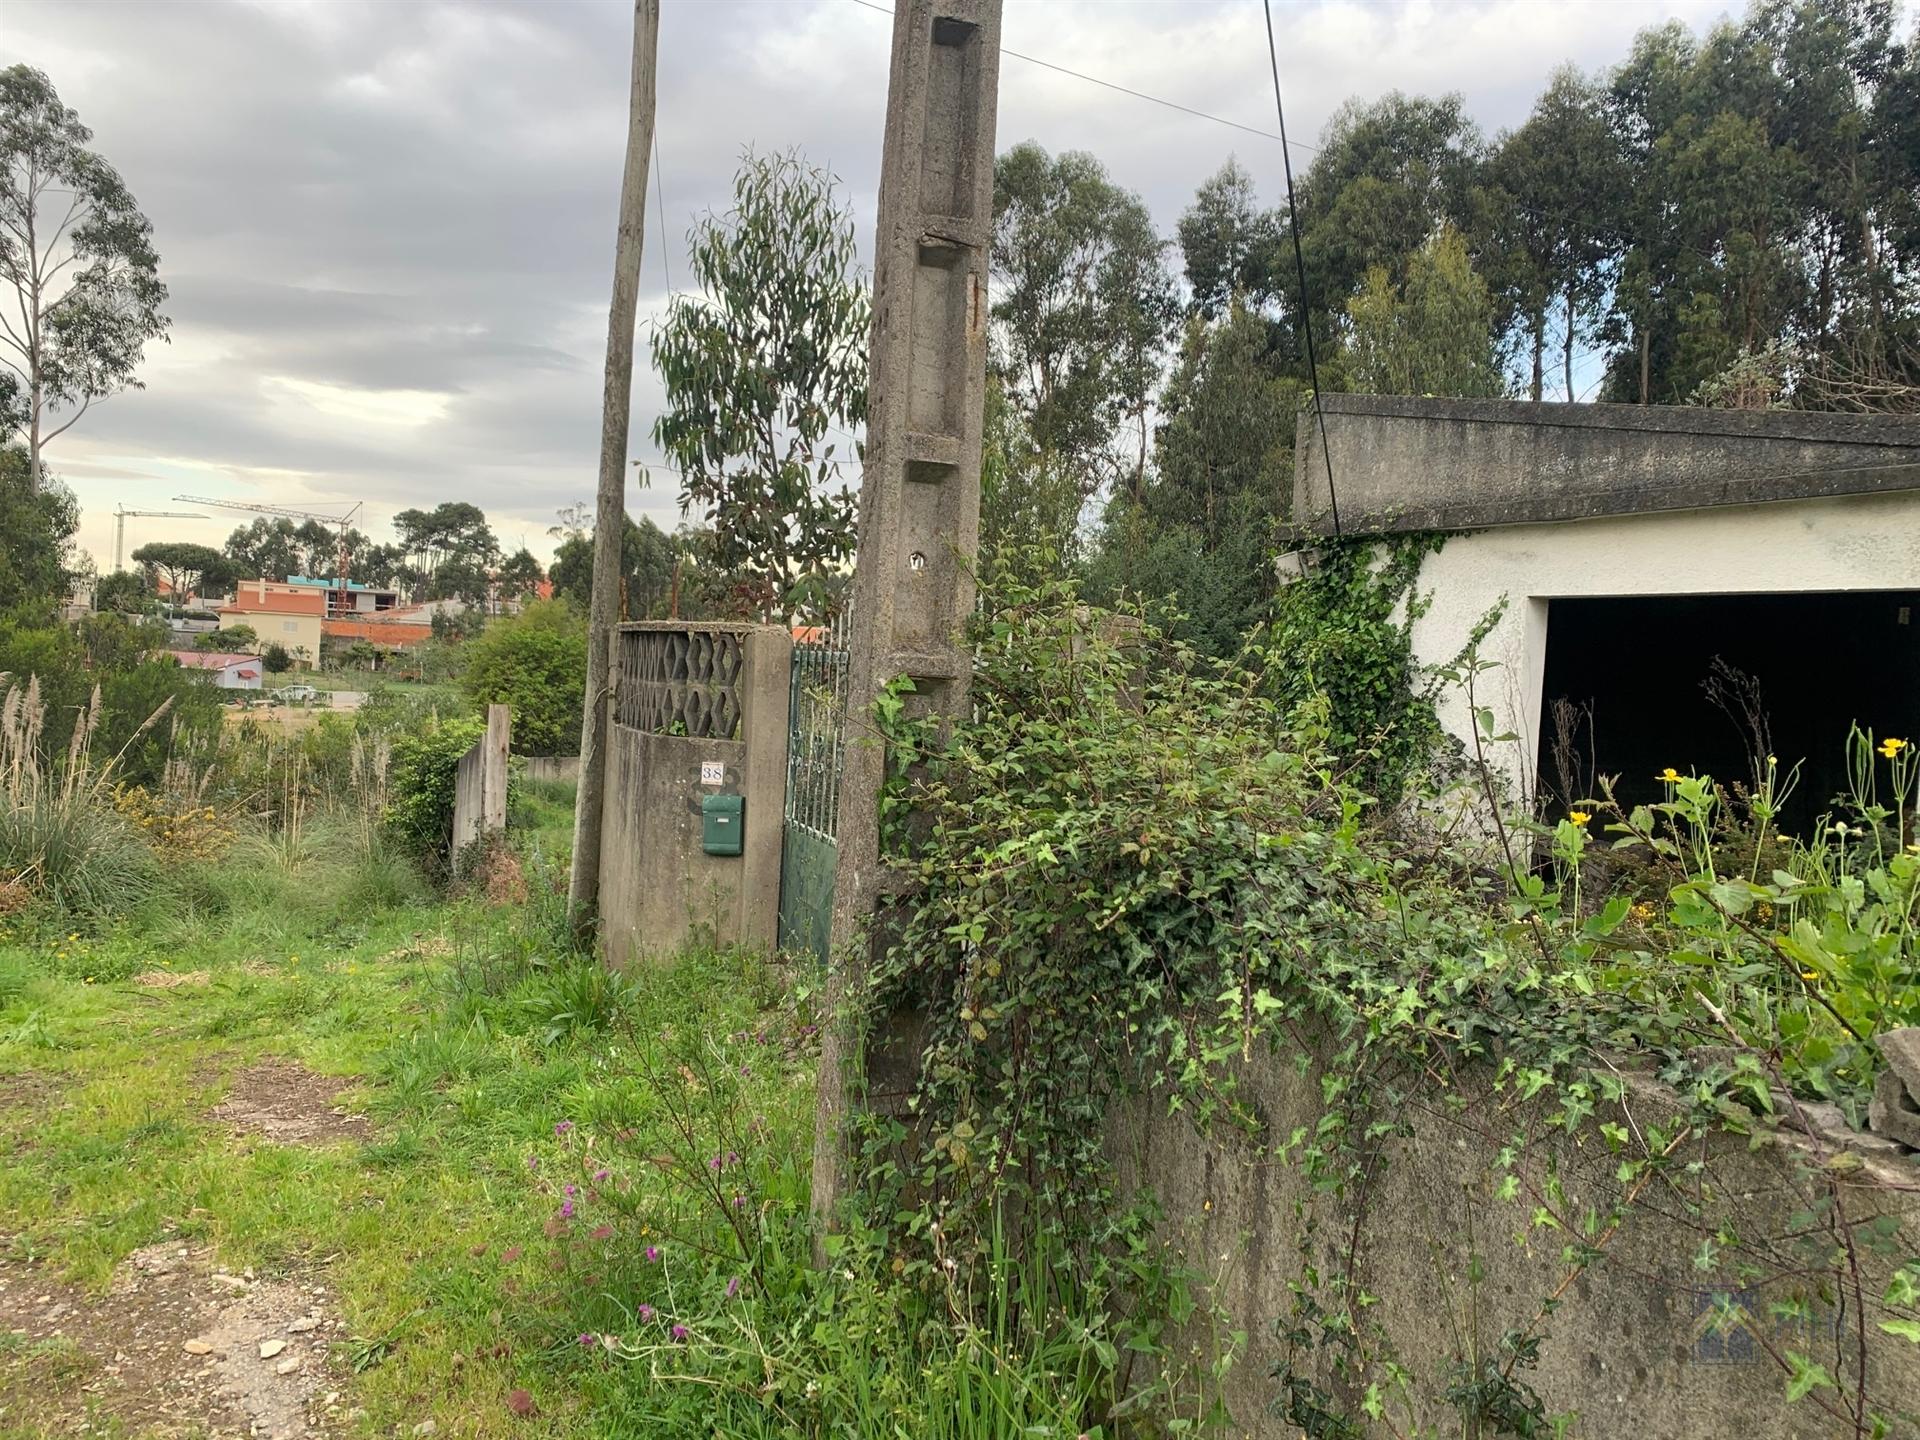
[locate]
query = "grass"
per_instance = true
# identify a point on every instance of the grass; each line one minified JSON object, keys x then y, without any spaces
{"x":577,"y":1201}
{"x":461,"y":1032}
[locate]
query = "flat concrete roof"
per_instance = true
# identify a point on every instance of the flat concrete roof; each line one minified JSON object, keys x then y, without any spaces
{"x":1403,"y":463}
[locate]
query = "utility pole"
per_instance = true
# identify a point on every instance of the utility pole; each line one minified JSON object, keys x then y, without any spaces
{"x":610,"y":514}
{"x":920,"y":490}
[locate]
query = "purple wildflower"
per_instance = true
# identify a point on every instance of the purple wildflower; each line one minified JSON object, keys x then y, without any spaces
{"x":585,"y":1338}
{"x":739,"y":1202}
{"x":733,"y":1287}
{"x":561,"y":1127}
{"x":646,"y":1314}
{"x":566,"y":1210}
{"x":601,"y":1174}
{"x":714,"y":1163}
{"x":679,"y":1332}
{"x":533,"y":1162}
{"x":570,"y":1190}
{"x":653,"y":1253}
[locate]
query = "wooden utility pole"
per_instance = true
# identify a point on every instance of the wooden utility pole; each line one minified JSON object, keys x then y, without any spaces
{"x":920,"y":490}
{"x":610,"y":513}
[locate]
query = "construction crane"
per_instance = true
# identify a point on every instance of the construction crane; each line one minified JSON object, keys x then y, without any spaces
{"x":120,"y":528}
{"x":343,"y":521}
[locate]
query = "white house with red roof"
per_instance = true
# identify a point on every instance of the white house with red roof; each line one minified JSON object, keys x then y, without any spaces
{"x":223,"y":671}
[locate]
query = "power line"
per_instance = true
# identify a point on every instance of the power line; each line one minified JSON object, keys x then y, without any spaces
{"x":660,"y":194}
{"x":1125,"y":90}
{"x":1300,"y":269}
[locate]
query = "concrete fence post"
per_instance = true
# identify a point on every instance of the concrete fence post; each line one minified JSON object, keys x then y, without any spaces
{"x":920,"y":485}
{"x":493,"y":772}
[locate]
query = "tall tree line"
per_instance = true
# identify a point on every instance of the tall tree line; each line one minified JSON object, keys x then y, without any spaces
{"x":1723,"y":218}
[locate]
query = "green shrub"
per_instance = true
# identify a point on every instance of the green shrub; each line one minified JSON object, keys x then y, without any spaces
{"x":421,"y":785}
{"x":536,"y":662}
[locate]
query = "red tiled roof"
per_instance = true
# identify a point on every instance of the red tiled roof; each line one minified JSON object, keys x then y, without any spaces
{"x":208,"y":659}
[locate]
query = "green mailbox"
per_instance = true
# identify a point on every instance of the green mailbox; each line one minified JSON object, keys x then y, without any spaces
{"x":722,"y":831}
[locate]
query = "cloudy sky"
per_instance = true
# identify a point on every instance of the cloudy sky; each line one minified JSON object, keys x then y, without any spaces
{"x":387,"y":227}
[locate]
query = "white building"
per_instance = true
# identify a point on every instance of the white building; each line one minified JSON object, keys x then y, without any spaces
{"x":225,"y":672}
{"x":1627,"y":549}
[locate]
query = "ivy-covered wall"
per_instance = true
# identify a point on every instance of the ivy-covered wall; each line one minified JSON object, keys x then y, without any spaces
{"x":1640,"y":1342}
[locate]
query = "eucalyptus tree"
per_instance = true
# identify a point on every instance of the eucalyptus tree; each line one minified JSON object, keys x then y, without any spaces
{"x":765,"y":373}
{"x":1084,"y":310}
{"x":80,"y":258}
{"x":1558,"y":192}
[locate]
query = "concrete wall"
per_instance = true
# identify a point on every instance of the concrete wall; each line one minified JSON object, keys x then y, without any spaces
{"x":1401,"y":463}
{"x":551,"y":768}
{"x":480,"y":784}
{"x":1629,"y":1349}
{"x":658,"y":890}
{"x":1851,"y":542}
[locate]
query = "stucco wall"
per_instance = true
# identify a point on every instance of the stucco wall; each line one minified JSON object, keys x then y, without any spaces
{"x":1407,"y":463}
{"x":658,"y":889}
{"x":1852,"y":542}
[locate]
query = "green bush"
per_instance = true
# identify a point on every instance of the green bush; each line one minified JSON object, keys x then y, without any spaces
{"x":536,"y":662}
{"x":1134,"y":871}
{"x":421,"y":784}
{"x":276,"y":659}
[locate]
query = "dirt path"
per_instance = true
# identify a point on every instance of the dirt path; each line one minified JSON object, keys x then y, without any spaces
{"x":178,"y":1346}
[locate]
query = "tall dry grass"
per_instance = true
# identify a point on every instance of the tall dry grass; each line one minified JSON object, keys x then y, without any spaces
{"x":63,"y":845}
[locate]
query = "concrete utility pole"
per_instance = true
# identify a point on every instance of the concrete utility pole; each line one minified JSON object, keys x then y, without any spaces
{"x":610,"y":514}
{"x":920,"y":493}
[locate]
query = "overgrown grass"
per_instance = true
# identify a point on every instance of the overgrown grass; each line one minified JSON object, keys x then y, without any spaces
{"x":462,"y":1031}
{"x":496,"y":1069}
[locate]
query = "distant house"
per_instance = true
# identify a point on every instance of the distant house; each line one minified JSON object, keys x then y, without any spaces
{"x":280,"y":614}
{"x":225,"y":672}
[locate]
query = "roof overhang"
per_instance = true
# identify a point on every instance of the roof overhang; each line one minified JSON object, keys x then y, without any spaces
{"x":1404,"y":464}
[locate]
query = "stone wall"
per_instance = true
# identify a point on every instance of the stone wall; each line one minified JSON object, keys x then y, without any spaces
{"x":698,"y":710}
{"x":1630,"y":1348}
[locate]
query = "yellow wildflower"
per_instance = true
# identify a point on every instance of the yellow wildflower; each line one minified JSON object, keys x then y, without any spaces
{"x":1891,"y":747}
{"x":1579,"y":817}
{"x":1809,"y":974}
{"x":1669,"y":775}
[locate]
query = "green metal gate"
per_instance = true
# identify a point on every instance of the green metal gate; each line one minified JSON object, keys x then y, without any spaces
{"x":814,"y":749}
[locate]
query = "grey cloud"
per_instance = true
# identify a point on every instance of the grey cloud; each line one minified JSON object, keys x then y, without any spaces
{"x":420,"y":196}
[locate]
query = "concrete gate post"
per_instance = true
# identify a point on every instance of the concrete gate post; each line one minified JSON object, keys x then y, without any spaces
{"x":920,"y":491}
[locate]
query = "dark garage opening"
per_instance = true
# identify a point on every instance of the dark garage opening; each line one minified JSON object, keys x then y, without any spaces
{"x":1820,"y":663}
